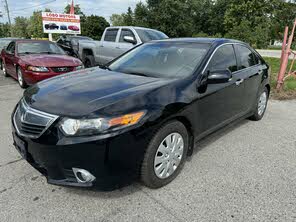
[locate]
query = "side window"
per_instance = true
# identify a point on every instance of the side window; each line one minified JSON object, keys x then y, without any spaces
{"x":246,"y":56}
{"x":126,"y":32}
{"x":11,"y":47}
{"x":110,"y":35}
{"x":224,"y":58}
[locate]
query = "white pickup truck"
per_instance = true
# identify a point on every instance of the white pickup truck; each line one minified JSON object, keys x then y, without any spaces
{"x":115,"y":41}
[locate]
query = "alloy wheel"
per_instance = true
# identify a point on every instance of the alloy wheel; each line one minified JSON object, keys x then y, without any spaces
{"x":262,"y":103}
{"x":168,"y":155}
{"x":20,"y":77}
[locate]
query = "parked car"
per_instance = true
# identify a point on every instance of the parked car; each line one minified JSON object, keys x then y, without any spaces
{"x":63,"y":27}
{"x":142,"y":115}
{"x":3,"y":44}
{"x":115,"y":41}
{"x":70,"y":43}
{"x":51,"y":26}
{"x":73,"y":28}
{"x":30,"y":61}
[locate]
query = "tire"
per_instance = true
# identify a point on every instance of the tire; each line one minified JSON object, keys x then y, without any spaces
{"x":89,"y":61}
{"x":152,"y":174}
{"x":4,"y":70}
{"x":261,"y":105}
{"x":1,"y":64}
{"x":20,"y":79}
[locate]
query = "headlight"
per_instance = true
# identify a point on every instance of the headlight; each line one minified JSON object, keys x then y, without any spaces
{"x":37,"y":69}
{"x":83,"y":127}
{"x":79,"y":67}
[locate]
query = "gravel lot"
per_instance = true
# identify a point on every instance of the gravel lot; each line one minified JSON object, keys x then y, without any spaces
{"x":245,"y":172}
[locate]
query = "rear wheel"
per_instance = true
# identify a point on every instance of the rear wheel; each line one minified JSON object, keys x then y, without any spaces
{"x":165,"y":155}
{"x":4,"y":70}
{"x":261,"y":105}
{"x":20,"y":79}
{"x":89,"y":61}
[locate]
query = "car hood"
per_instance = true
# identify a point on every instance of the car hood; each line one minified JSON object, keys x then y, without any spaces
{"x":50,"y":60}
{"x":84,"y":92}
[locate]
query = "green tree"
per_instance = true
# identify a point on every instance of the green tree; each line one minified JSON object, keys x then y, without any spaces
{"x":35,"y":26}
{"x":94,"y":26}
{"x":141,"y":15}
{"x":4,"y":30}
{"x":128,"y":18}
{"x":77,"y":10}
{"x":20,"y":27}
{"x":117,"y":20}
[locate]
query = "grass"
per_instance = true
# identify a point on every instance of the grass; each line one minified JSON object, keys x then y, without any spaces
{"x":289,"y":90}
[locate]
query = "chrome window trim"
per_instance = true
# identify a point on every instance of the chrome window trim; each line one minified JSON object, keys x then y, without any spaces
{"x":210,"y":59}
{"x":35,"y":112}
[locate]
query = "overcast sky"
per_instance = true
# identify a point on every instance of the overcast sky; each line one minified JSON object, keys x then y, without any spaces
{"x":103,"y":8}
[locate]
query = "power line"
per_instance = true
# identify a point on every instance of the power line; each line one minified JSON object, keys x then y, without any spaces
{"x":34,"y":6}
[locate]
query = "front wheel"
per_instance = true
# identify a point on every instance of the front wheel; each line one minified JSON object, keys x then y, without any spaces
{"x":89,"y":61}
{"x":20,"y":79}
{"x":261,"y":105}
{"x":165,"y":155}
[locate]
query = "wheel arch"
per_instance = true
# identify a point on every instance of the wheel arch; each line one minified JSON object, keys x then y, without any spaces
{"x":186,"y":122}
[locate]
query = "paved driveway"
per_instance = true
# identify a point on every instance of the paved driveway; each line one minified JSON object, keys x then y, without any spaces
{"x":245,"y":172}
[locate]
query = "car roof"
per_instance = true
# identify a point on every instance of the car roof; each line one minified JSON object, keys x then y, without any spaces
{"x":217,"y":41}
{"x":133,"y":27}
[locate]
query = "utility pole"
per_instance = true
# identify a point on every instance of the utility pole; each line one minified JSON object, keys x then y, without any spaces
{"x":8,"y":15}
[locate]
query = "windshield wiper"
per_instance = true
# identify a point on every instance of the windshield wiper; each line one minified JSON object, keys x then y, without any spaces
{"x":106,"y":68}
{"x":47,"y":52}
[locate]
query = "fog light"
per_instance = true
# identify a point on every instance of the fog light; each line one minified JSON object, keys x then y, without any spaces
{"x":83,"y":176}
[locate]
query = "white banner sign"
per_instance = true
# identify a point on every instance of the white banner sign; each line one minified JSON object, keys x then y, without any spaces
{"x":61,"y":23}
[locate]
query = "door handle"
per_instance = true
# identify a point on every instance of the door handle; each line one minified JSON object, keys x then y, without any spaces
{"x":117,"y":47}
{"x":101,"y":46}
{"x":238,"y":82}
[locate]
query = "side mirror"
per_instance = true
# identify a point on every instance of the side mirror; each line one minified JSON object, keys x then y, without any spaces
{"x":130,"y":39}
{"x":219,"y":76}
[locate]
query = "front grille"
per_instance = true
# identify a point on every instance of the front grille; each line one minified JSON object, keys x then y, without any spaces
{"x":30,"y":122}
{"x":62,"y":69}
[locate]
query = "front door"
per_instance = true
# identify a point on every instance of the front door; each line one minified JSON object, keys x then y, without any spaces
{"x":9,"y":59}
{"x":221,"y":102}
{"x":124,"y":46}
{"x":107,"y":50}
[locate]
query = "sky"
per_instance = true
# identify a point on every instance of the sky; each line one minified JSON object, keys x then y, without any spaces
{"x":103,"y":8}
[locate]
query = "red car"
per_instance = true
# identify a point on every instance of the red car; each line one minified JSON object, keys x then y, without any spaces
{"x":73,"y":28}
{"x":30,"y":61}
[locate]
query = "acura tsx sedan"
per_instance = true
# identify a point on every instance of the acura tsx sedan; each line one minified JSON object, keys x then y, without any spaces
{"x":140,"y":116}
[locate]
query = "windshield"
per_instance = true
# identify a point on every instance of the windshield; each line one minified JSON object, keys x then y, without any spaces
{"x":149,"y":35}
{"x":162,"y":60}
{"x":39,"y":48}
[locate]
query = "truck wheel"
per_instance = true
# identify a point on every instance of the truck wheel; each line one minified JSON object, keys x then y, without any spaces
{"x":89,"y":61}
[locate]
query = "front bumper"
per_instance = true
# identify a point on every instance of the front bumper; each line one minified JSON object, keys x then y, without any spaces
{"x":114,"y":161}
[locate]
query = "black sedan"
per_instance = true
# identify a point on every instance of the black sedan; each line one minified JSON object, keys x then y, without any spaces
{"x":141,"y":115}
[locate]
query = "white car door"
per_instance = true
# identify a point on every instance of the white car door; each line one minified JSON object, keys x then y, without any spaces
{"x":107,"y":49}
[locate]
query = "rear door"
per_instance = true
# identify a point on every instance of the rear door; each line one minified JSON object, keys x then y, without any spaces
{"x":251,"y":70}
{"x":122,"y":45}
{"x":221,"y":102}
{"x":107,"y":50}
{"x":9,"y":59}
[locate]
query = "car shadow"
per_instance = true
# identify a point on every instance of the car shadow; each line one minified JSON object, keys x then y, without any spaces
{"x":208,"y":140}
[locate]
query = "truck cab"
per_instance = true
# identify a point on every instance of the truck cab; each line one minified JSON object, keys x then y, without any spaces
{"x":114,"y":42}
